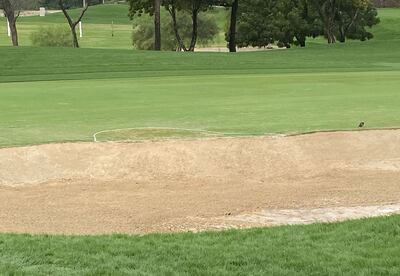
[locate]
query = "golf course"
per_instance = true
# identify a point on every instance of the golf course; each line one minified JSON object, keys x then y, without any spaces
{"x":116,"y":161}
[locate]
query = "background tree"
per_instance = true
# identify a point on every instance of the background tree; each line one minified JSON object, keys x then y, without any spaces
{"x":343,"y":19}
{"x":171,"y":7}
{"x":232,"y":26}
{"x":72,"y":24}
{"x":193,"y":7}
{"x":256,"y":25}
{"x":290,"y":22}
{"x":11,"y":11}
{"x":152,"y":7}
{"x":230,"y":35}
{"x":143,"y":31}
{"x":327,"y":10}
{"x":295,"y":22}
{"x":353,"y":18}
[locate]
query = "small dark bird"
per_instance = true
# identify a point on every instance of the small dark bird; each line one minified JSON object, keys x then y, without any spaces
{"x":362,"y":124}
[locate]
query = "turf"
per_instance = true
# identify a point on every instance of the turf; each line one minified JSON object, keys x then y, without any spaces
{"x":51,"y":111}
{"x":363,"y":247}
{"x":52,"y":95}
{"x":139,"y":134}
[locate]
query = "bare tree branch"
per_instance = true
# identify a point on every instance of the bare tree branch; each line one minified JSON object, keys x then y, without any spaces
{"x":82,"y":13}
{"x":72,"y":24}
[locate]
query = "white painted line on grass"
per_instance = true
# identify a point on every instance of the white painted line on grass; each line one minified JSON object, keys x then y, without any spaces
{"x":162,"y":128}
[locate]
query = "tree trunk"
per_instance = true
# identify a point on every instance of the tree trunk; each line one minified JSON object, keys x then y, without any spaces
{"x":342,"y":34}
{"x":331,"y":38}
{"x":75,"y":42}
{"x":343,"y":28}
{"x":195,"y":14}
{"x":12,"y":19}
{"x":157,"y":25}
{"x":72,"y":24}
{"x":301,"y":39}
{"x":14,"y":32}
{"x":232,"y":28}
{"x":330,"y":34}
{"x":327,"y":15}
{"x":172,"y":12}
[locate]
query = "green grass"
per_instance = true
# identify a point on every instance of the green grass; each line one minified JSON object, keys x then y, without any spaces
{"x":139,"y":134}
{"x":362,"y":247}
{"x":51,"y":111}
{"x":52,"y":95}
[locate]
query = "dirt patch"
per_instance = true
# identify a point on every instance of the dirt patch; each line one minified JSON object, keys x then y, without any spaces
{"x":37,"y":13}
{"x":94,"y":188}
{"x":246,"y":49}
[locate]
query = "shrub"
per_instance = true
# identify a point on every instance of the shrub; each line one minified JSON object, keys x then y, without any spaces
{"x":52,"y":36}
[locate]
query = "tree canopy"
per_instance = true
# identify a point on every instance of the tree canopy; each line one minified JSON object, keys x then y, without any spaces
{"x":259,"y":23}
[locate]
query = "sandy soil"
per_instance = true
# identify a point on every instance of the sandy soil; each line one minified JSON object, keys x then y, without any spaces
{"x":246,"y":49}
{"x":94,"y":188}
{"x":37,"y":12}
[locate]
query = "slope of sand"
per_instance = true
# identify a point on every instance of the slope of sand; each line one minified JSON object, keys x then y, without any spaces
{"x":180,"y":185}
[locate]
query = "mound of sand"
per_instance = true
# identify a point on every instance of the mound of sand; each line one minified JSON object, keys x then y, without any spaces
{"x":89,"y":188}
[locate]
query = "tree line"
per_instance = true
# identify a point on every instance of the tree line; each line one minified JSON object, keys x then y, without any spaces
{"x":256,"y":23}
{"x":259,"y":23}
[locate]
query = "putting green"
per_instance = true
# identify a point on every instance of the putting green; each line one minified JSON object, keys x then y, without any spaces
{"x":51,"y":111}
{"x":52,"y":95}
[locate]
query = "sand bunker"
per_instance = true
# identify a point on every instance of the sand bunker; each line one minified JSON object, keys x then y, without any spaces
{"x":93,"y":188}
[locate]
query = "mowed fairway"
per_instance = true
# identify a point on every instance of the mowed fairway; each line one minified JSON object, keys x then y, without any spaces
{"x":53,"y":189}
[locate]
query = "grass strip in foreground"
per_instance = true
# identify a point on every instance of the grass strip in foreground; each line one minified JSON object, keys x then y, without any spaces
{"x":361,"y":247}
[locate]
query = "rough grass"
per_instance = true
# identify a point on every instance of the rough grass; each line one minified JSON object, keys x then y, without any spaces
{"x":362,"y":247}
